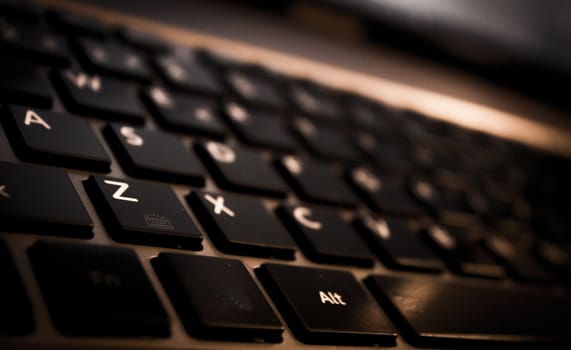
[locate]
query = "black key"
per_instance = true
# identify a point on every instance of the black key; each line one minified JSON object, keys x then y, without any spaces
{"x":101,"y":97}
{"x":55,"y":138}
{"x":453,"y":179}
{"x":367,"y":115}
{"x":189,"y":76}
{"x":325,"y":142}
{"x":74,"y":24}
{"x":463,"y":252}
{"x":184,"y":113}
{"x":144,"y":154}
{"x":40,"y":199}
{"x":424,"y":192}
{"x":142,"y":40}
{"x":255,"y":89}
{"x":17,"y":317}
{"x":143,"y":212}
{"x":227,"y":305}
{"x":324,"y":236}
{"x":33,"y":43}
{"x":94,"y":290}
{"x":113,"y":59}
{"x":214,"y":60}
{"x":519,"y":264}
{"x":315,"y":182}
{"x":326,"y":306}
{"x":315,"y":104}
{"x":389,"y":157}
{"x":240,"y":169}
{"x":242,"y":225}
{"x":450,"y":206}
{"x":398,"y":244}
{"x":22,"y":83}
{"x":383,"y":196}
{"x":556,"y":258}
{"x":259,"y":128}
{"x":453,"y":314}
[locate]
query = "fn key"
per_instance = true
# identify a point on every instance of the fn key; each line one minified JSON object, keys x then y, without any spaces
{"x":97,"y":290}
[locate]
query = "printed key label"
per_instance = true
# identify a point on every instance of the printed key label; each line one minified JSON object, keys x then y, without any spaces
{"x":4,"y":192}
{"x":103,"y":279}
{"x":119,"y":193}
{"x":83,"y":81}
{"x":162,"y":97}
{"x":331,"y":298}
{"x":302,"y":215}
{"x":218,"y":205}
{"x":221,"y":153}
{"x":158,"y":222}
{"x":33,"y":118}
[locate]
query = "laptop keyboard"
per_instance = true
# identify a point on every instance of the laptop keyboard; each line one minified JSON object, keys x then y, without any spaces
{"x":144,"y":186}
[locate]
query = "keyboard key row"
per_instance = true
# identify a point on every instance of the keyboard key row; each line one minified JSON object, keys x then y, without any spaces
{"x":44,"y":136}
{"x":149,"y":213}
{"x":113,"y":99}
{"x":95,"y":290}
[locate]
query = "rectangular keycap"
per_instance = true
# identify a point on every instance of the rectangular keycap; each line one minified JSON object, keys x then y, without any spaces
{"x":24,"y":84}
{"x":326,"y":306}
{"x":255,"y":88}
{"x":142,"y":154}
{"x":143,"y":212}
{"x":398,"y":243}
{"x":188,"y":75}
{"x":33,"y":43}
{"x":98,"y":96}
{"x":182,"y":112}
{"x":383,"y":196}
{"x":217,"y":298}
{"x":242,"y":225}
{"x":324,"y":236}
{"x":462,"y":251}
{"x":259,"y":128}
{"x":324,"y":142}
{"x":240,"y":169}
{"x":113,"y":59}
{"x":315,"y":181}
{"x":16,"y":317}
{"x":46,"y":137}
{"x":40,"y":199}
{"x":433,"y":312}
{"x":97,"y":290}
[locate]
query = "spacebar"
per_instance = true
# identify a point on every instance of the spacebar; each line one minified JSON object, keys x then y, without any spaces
{"x":429,"y":312}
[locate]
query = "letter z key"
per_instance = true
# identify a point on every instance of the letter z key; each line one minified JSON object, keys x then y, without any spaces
{"x":143,"y":213}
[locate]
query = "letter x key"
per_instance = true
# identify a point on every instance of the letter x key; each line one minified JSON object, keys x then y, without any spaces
{"x":218,"y":204}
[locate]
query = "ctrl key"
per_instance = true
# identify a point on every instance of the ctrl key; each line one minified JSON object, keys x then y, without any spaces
{"x":93,"y":290}
{"x":326,"y":306}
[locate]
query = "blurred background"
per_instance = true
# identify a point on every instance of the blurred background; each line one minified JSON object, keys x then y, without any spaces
{"x":520,"y":44}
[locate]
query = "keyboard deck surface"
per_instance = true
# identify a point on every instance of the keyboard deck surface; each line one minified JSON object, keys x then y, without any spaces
{"x":155,"y":195}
